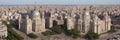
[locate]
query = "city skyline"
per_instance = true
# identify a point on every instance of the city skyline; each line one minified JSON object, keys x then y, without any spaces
{"x":60,"y":2}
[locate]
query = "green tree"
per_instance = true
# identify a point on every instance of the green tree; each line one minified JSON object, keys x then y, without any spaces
{"x":111,"y":31}
{"x":74,"y":33}
{"x":92,"y":35}
{"x":31,"y":35}
{"x":12,"y":35}
{"x":46,"y":33}
{"x":57,"y":29}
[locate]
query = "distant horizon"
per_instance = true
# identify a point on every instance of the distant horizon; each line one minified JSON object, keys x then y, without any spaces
{"x":59,"y":5}
{"x":60,"y":2}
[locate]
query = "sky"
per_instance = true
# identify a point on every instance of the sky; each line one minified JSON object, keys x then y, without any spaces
{"x":60,"y":2}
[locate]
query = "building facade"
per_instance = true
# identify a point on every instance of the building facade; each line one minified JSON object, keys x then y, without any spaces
{"x":32,"y":23}
{"x":85,"y":22}
{"x":90,"y":23}
{"x":3,"y":31}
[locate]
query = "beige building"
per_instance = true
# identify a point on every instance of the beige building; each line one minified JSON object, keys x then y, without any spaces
{"x":3,"y":30}
{"x":70,"y":23}
{"x":32,"y":23}
{"x":35,"y":22}
{"x":97,"y":23}
{"x":90,"y":23}
{"x":101,"y":24}
{"x":86,"y":22}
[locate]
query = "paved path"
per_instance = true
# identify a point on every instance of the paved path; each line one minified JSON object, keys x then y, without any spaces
{"x":108,"y":35}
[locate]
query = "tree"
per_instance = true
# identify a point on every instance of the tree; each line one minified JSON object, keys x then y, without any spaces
{"x":54,"y":30}
{"x":31,"y":35}
{"x":74,"y":33}
{"x":57,"y":29}
{"x":12,"y":35}
{"x":111,"y":31}
{"x":46,"y":33}
{"x":92,"y":35}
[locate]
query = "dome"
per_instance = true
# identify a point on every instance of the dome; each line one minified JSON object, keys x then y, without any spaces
{"x":35,"y":13}
{"x":86,"y":13}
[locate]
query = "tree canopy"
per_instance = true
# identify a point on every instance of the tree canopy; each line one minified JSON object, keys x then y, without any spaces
{"x":92,"y":35}
{"x":31,"y":35}
{"x":74,"y":33}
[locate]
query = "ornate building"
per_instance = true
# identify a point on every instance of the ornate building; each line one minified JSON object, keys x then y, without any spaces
{"x":90,"y":23}
{"x":101,"y":24}
{"x":85,"y":22}
{"x":70,"y":23}
{"x":32,"y":23}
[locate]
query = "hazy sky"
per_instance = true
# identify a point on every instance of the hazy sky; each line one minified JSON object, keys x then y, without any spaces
{"x":61,"y":2}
